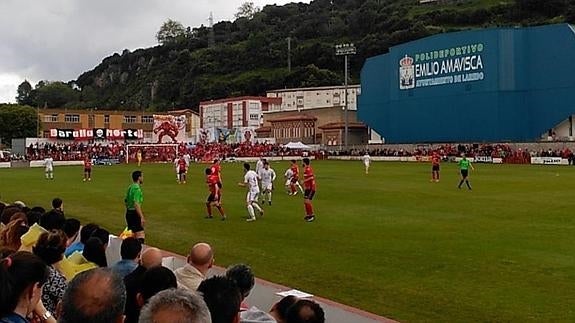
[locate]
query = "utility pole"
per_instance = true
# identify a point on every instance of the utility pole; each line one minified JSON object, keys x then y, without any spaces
{"x":345,"y":50}
{"x":289,"y":54}
{"x":211,"y":34}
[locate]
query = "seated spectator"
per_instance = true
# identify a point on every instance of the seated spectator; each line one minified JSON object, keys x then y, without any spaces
{"x":243,"y":276}
{"x":22,"y":275}
{"x":85,"y":234}
{"x":130,"y":253}
{"x":71,"y":229}
{"x":95,"y":296}
{"x":151,"y":257}
{"x":95,"y":252}
{"x":34,"y":215}
{"x":8,"y":212}
{"x":223,"y":299}
{"x":305,"y":311}
{"x":175,"y":305}
{"x":11,"y":234}
{"x":58,"y":205}
{"x":103,"y":235}
{"x":200,"y":260}
{"x":52,"y":220}
{"x":154,"y":280}
{"x":50,"y":248}
{"x":280,"y":309}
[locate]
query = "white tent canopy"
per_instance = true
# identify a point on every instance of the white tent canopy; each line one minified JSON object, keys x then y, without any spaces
{"x":297,"y":145}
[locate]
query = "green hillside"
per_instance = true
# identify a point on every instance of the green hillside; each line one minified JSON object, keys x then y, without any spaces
{"x":249,"y":56}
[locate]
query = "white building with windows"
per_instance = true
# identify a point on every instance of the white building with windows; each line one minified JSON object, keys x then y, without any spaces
{"x":315,"y":98}
{"x":239,"y":112}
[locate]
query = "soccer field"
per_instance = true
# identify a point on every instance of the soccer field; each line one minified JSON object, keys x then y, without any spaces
{"x":390,"y":242}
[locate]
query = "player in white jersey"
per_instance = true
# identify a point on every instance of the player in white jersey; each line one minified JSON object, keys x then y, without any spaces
{"x":251,"y":182}
{"x":366,"y":161}
{"x":49,"y":167}
{"x":288,"y":175}
{"x":177,"y":168}
{"x":260,"y":165}
{"x":267,"y":177}
{"x":187,"y":158}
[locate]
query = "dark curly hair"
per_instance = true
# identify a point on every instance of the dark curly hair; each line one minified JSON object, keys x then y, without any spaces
{"x":50,"y":246}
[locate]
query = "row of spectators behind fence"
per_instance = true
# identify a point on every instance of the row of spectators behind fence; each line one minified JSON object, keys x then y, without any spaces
{"x":210,"y":151}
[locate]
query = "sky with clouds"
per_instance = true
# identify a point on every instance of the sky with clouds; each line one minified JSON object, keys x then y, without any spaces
{"x":60,"y":39}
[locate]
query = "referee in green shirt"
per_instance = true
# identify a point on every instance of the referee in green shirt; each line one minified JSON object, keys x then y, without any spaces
{"x":464,"y":165}
{"x":133,"y":201}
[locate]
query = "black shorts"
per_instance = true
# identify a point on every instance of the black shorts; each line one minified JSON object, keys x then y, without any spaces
{"x":294,"y":180}
{"x":308,"y":194}
{"x":133,"y":221}
{"x":220,"y":185}
{"x":182,"y":171}
{"x":464,"y":173}
{"x":435,"y":168}
{"x":88,"y":170}
{"x":212,"y":198}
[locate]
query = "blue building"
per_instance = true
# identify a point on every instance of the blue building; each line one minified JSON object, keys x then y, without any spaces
{"x":489,"y":85}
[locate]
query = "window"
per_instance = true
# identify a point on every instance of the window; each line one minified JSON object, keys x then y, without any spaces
{"x":129,"y":119}
{"x":107,"y":118}
{"x":147,"y":119}
{"x":254,"y":116}
{"x":72,"y":118}
{"x":51,"y":118}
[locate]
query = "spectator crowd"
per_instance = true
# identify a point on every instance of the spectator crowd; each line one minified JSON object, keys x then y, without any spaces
{"x":53,"y":269}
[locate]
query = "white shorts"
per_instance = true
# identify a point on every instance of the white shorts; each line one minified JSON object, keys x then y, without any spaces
{"x":267,"y":186}
{"x":49,"y":170}
{"x":252,"y":196}
{"x":288,"y":182}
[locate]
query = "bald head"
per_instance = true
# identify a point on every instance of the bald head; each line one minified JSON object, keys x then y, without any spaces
{"x":151,"y":257}
{"x":96,"y":295}
{"x":201,"y":255}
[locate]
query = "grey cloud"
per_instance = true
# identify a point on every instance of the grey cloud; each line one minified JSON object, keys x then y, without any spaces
{"x":60,"y":39}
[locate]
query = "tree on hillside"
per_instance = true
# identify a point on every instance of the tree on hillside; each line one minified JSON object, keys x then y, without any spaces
{"x":247,"y":10}
{"x":24,"y":93}
{"x":172,"y":32}
{"x":54,"y":94}
{"x":17,"y":121}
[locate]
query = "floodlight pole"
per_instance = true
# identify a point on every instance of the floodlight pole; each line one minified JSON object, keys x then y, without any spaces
{"x":345,"y":50}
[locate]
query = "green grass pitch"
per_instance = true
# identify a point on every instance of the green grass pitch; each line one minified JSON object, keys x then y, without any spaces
{"x":390,"y":242}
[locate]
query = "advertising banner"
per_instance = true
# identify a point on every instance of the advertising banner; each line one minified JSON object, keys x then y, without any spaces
{"x":98,"y":133}
{"x":169,"y":129}
{"x":483,"y":159}
{"x":549,"y":161}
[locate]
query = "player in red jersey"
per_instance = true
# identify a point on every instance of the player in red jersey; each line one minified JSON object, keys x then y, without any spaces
{"x":435,"y":162}
{"x":295,"y":178}
{"x":87,"y":169}
{"x":217,"y":171}
{"x":215,"y":197}
{"x":182,"y":170}
{"x":309,"y":184}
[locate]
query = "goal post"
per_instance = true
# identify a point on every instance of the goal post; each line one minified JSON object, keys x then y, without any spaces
{"x":151,"y":152}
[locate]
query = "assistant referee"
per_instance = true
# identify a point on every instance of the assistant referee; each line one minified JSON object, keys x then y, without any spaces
{"x":133,"y":201}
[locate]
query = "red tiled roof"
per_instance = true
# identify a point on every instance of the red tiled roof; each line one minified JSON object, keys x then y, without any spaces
{"x":341,"y":125}
{"x":301,"y":117}
{"x":263,"y":129}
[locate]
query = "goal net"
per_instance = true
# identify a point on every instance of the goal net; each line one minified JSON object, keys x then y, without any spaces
{"x":151,"y":152}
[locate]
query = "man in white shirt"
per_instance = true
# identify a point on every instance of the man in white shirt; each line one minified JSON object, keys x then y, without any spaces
{"x":288,"y":175}
{"x":49,"y":167}
{"x":260,"y":165}
{"x":267,"y":176}
{"x":177,"y":168}
{"x":366,"y":161}
{"x":251,"y":182}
